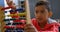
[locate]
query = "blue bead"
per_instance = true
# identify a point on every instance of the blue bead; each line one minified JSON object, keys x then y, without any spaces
{"x":24,"y":18}
{"x":8,"y":24}
{"x":6,"y":19}
{"x":14,"y":30}
{"x":22,"y":2}
{"x":5,"y":11}
{"x":8,"y":31}
{"x":19,"y":30}
{"x":20,"y":10}
{"x":9,"y":19}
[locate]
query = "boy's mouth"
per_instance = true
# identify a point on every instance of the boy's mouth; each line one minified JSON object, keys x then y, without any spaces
{"x":39,"y":19}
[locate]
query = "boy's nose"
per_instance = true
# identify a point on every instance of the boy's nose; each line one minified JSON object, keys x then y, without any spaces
{"x":39,"y":15}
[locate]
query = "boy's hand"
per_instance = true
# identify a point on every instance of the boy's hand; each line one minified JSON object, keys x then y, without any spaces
{"x":10,"y":3}
{"x":29,"y":28}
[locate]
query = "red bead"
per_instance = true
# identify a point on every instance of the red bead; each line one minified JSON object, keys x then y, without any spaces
{"x":9,"y":27}
{"x":16,"y":16}
{"x":6,"y":8}
{"x":23,"y":21}
{"x":13,"y":12}
{"x":16,"y":20}
{"x":19,"y":26}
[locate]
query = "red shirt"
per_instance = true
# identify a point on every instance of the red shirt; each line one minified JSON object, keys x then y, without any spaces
{"x":49,"y":27}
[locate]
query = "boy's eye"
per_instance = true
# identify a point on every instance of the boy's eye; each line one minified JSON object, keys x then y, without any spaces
{"x":42,"y":11}
{"x":36,"y":11}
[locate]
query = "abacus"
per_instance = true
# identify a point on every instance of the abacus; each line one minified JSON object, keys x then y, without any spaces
{"x":19,"y":19}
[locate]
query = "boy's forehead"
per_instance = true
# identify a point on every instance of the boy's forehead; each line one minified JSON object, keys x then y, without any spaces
{"x":40,"y":7}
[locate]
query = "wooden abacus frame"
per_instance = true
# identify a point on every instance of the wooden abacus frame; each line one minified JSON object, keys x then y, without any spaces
{"x":2,"y":24}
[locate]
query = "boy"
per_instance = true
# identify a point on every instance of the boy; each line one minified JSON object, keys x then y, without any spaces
{"x":42,"y":22}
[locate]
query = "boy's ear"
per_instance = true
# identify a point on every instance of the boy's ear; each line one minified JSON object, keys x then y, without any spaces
{"x":50,"y":14}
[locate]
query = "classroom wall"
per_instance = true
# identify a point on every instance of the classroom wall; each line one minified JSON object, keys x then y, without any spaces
{"x":1,"y":2}
{"x":55,"y":8}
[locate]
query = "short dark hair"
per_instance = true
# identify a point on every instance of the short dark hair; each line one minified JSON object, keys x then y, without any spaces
{"x":46,"y":3}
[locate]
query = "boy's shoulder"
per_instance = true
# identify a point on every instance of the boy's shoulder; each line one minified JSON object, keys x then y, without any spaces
{"x":54,"y":22}
{"x":51,"y":20}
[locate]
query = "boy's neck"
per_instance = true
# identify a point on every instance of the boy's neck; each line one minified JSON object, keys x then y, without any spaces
{"x":42,"y":25}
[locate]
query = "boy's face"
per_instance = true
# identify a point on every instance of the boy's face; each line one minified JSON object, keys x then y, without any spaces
{"x":41,"y":13}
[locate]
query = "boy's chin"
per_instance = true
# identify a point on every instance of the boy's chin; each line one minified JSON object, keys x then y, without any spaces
{"x":41,"y":21}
